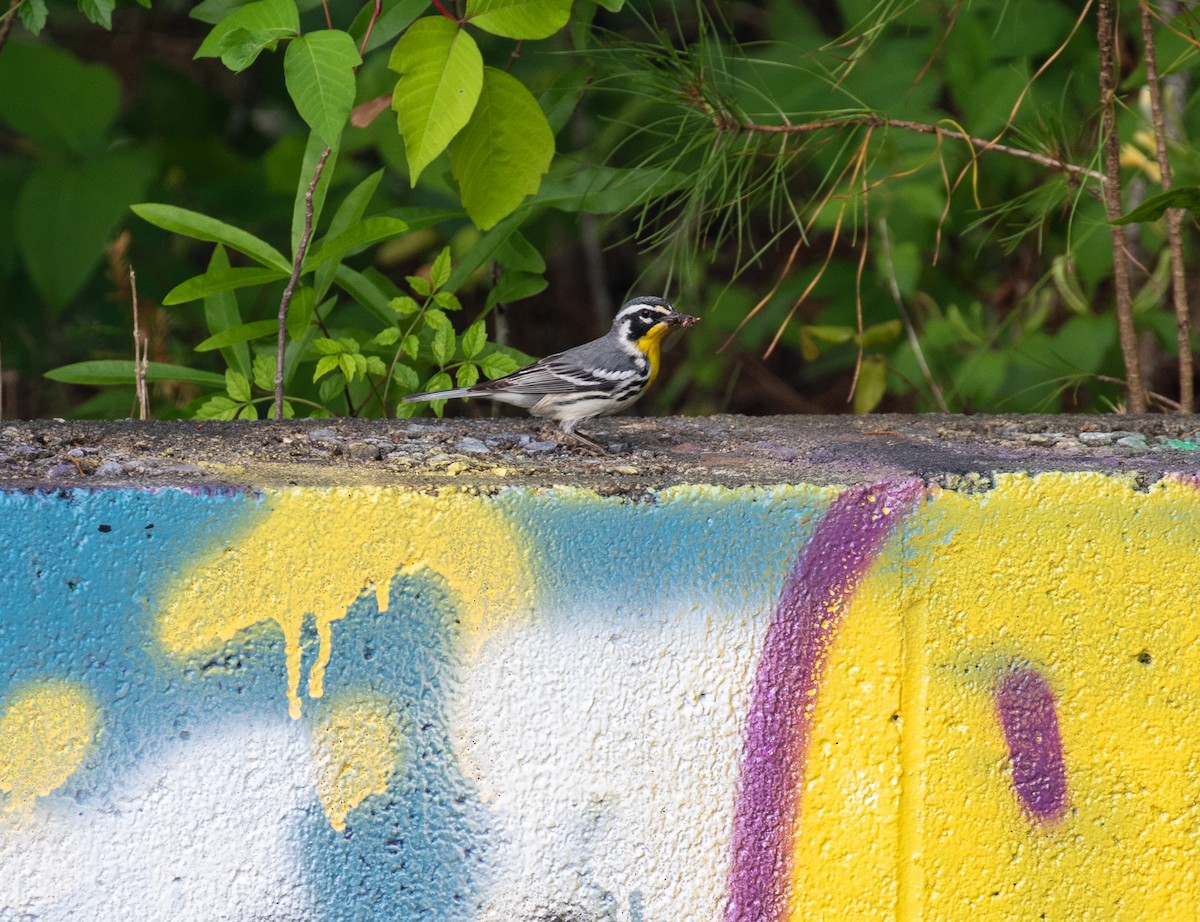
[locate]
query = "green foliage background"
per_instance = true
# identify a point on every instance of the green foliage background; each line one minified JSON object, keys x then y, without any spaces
{"x":602,"y":149}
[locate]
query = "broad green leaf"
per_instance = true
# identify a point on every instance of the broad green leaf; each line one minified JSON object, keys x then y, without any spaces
{"x":348,"y":214}
{"x":278,"y":16}
{"x":202,"y":227}
{"x":474,"y":339}
{"x":519,"y":255}
{"x":442,"y":344}
{"x":404,"y":306}
{"x":411,"y":346}
{"x":121,"y":371}
{"x":300,"y":311}
{"x":497,"y":365}
{"x":248,"y":412}
{"x":447,"y":301}
{"x":375,"y":365}
{"x":872,"y":384}
{"x":520,"y":19}
{"x":358,"y":237}
{"x":325,"y":365}
{"x":64,"y":105}
{"x":513,"y":286}
{"x":439,"y":272}
{"x":1186,"y":197}
{"x":318,"y":68}
{"x":237,"y":386}
{"x":218,"y":407}
{"x":420,"y":285}
{"x":397,"y":15}
{"x":502,"y":153}
{"x":242,"y":333}
{"x":33,"y":15}
{"x":388,"y":336}
{"x":466,"y":375}
{"x":264,"y":371}
{"x":365,"y":292}
{"x":405,"y":378}
{"x":67,"y":212}
{"x":441,"y":74}
{"x":221,"y":312}
{"x":241,"y":48}
{"x":218,"y":280}
{"x":314,"y":153}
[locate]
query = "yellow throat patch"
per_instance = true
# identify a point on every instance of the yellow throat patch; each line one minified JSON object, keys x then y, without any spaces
{"x":649,"y":343}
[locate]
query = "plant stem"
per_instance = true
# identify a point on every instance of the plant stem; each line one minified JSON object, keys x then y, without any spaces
{"x":445,"y":12}
{"x":376,"y":12}
{"x":6,"y":21}
{"x":1183,"y":324}
{"x":1106,"y":40}
{"x":141,"y":353}
{"x":871,"y":120}
{"x":297,"y":264}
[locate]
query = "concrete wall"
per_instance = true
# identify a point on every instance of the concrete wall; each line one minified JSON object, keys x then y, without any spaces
{"x":789,"y":702}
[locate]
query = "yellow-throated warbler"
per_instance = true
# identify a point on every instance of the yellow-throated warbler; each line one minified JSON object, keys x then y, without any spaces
{"x":595,"y":379}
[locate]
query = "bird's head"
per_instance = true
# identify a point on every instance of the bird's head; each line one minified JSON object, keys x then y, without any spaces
{"x":644,"y":321}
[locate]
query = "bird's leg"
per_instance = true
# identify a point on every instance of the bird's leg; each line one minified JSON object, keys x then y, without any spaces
{"x":584,"y":440}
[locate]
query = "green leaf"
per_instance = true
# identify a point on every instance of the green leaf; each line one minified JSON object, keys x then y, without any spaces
{"x":249,"y":412}
{"x":121,"y":371}
{"x":872,"y":384}
{"x":447,"y":301}
{"x":404,"y":306}
{"x":66,"y":106}
{"x":405,"y":378}
{"x":388,"y":336}
{"x":300,"y":311}
{"x":365,"y":291}
{"x":219,"y":407}
{"x":517,"y":254}
{"x":500,"y":156}
{"x":439,"y":272}
{"x":513,"y":286}
{"x":441,"y":73}
{"x":497,"y":365}
{"x":279,"y":17}
{"x":221,"y":312}
{"x":33,"y":15}
{"x":67,"y":212}
{"x":442,"y":344}
{"x":466,"y":375}
{"x":439,"y":382}
{"x":881,"y":334}
{"x":397,"y":15}
{"x":520,"y":19}
{"x":325,"y":365}
{"x":237,"y":386}
{"x":419,"y":284}
{"x":264,"y":371}
{"x":202,"y":227}
{"x":348,"y":214}
{"x":355,"y":239}
{"x":411,"y":346}
{"x":242,"y":333}
{"x":318,"y":69}
{"x":217,"y":280}
{"x":474,"y":339}
{"x":1186,"y":197}
{"x":241,"y":48}
{"x":375,"y":365}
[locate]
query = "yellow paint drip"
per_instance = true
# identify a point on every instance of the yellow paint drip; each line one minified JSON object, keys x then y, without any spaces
{"x":357,"y":748}
{"x":315,"y":552}
{"x":45,"y":733}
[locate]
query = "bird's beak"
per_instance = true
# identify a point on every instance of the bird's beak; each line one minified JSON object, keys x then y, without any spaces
{"x":677,"y":319}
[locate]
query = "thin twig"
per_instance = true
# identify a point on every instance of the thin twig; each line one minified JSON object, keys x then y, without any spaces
{"x":445,"y":12}
{"x":862,"y":262}
{"x":375,"y":14}
{"x":1183,"y":323}
{"x":914,"y":341}
{"x":141,"y":352}
{"x":1157,"y":398}
{"x":872,"y":120}
{"x":1106,"y":40}
{"x":297,"y":264}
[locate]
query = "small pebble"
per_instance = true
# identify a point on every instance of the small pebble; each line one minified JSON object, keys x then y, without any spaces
{"x":62,"y":470}
{"x":1097,"y":438}
{"x":473,"y":445}
{"x":322,"y":434}
{"x":109,"y":469}
{"x":535,"y":448}
{"x":1136,"y":440}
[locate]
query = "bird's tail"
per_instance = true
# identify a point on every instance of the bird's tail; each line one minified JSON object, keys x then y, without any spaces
{"x":440,"y":395}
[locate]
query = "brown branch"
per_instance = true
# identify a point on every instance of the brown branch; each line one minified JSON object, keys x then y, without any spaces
{"x":871,"y":120}
{"x":445,"y":12}
{"x":1106,"y":40}
{"x":376,"y":12}
{"x":297,"y":264}
{"x":1183,"y":323}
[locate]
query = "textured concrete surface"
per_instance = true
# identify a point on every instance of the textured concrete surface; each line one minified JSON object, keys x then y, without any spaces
{"x":742,"y":671}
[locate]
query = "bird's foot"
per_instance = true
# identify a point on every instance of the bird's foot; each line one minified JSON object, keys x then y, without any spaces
{"x":584,"y":441}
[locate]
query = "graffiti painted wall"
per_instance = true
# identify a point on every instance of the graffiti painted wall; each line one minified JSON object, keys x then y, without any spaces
{"x":745,"y":705}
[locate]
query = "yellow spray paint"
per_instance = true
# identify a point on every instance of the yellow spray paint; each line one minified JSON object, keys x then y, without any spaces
{"x":314,"y":552}
{"x":908,"y":809}
{"x":357,"y":747}
{"x":45,"y":733}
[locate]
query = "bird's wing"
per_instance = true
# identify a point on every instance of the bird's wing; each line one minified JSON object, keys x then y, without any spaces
{"x":580,"y":368}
